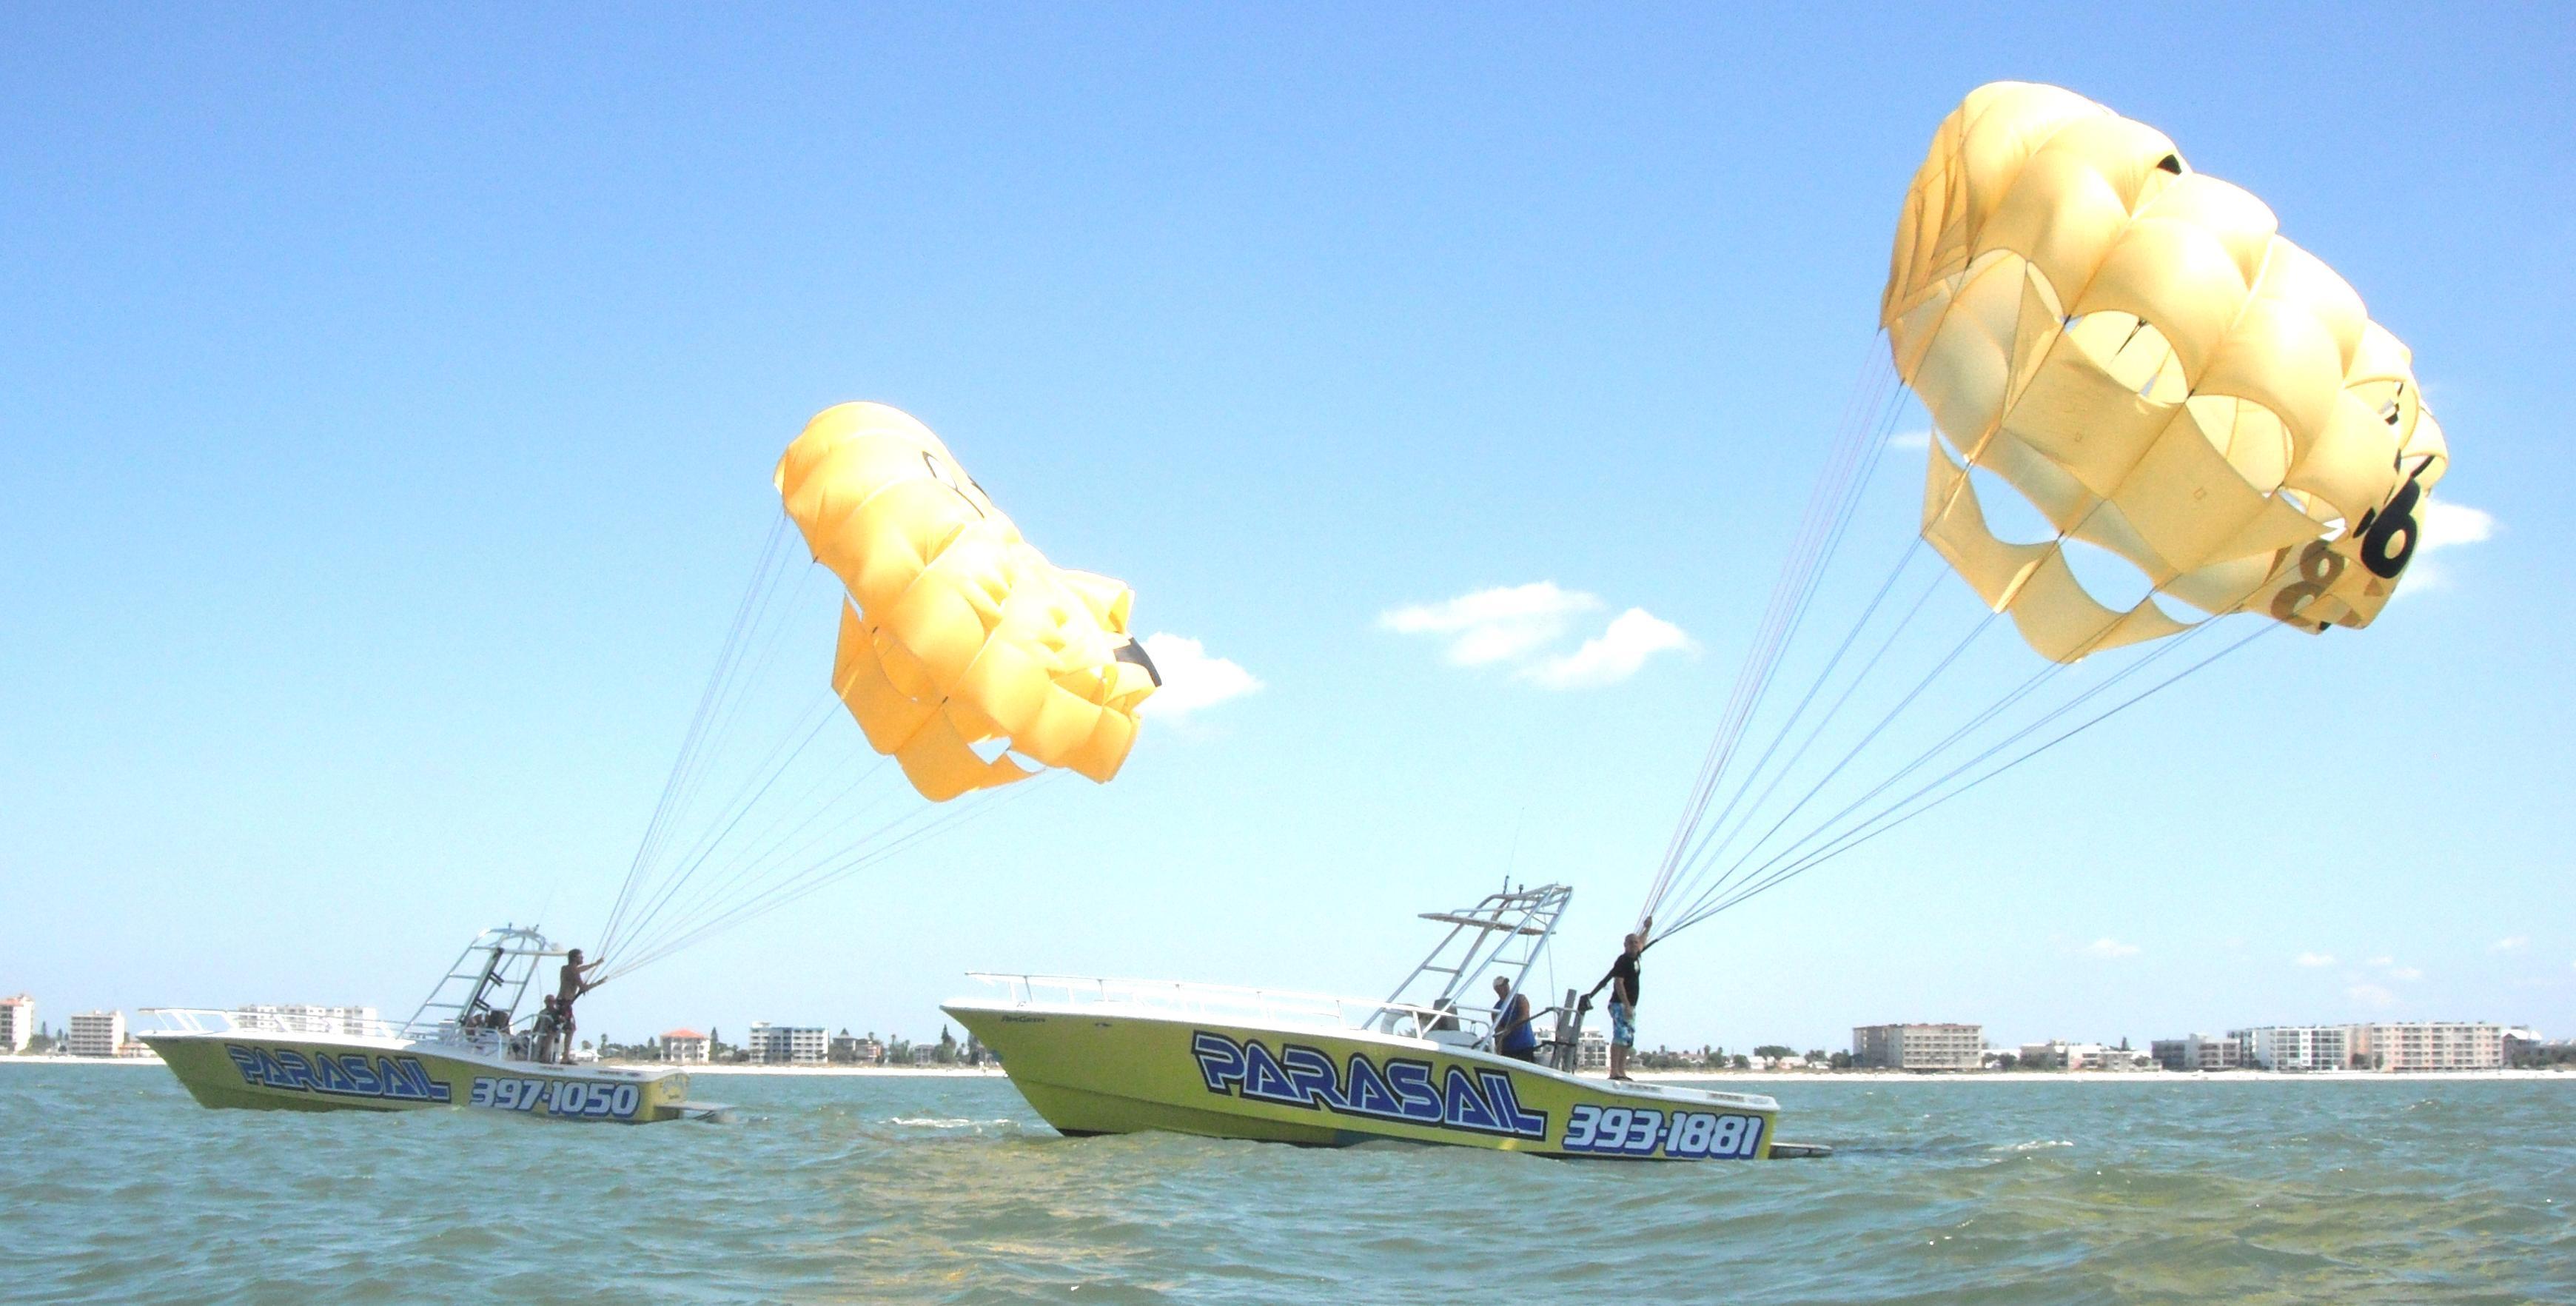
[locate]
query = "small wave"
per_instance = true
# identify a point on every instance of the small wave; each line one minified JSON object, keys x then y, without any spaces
{"x":2034,"y":1145}
{"x":944,"y":1122}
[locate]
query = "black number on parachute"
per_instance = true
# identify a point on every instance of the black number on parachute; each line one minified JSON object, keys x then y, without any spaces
{"x":2319,"y":568}
{"x":2380,"y":529}
{"x":939,"y":472}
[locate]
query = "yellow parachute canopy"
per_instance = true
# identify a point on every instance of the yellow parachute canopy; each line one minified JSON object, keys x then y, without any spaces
{"x":957,"y":633}
{"x":2135,"y":349}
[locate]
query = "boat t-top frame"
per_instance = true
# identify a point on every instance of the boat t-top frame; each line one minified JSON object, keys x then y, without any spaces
{"x":1505,"y":933}
{"x":492,"y":974}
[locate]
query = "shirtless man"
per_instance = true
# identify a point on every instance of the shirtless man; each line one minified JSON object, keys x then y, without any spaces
{"x":572,"y":983}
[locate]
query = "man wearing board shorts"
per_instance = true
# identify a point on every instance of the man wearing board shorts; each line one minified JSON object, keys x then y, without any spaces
{"x":1624,"y":981}
{"x":573,"y":981}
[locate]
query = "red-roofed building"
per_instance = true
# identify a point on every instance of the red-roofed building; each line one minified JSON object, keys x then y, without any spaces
{"x":686,"y":1046}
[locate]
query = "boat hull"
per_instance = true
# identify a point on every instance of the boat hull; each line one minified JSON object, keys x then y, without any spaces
{"x":1105,"y":1070}
{"x":332,"y":1073}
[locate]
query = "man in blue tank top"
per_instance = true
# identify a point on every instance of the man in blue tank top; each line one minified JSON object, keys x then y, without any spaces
{"x":1513,"y":1036}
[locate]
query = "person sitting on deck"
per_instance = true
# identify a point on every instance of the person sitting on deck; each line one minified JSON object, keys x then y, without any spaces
{"x":1513,"y":1036}
{"x":575,"y":981}
{"x":1623,"y":982}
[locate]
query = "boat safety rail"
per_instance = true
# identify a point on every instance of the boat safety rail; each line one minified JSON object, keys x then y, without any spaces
{"x":518,"y":1045}
{"x":1226,"y":1002}
{"x":259,"y":1020}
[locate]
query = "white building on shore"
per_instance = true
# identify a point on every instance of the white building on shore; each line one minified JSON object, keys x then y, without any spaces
{"x":310,"y":1018}
{"x":2058,"y":1054}
{"x":2295,"y":1047}
{"x":2199,"y":1052}
{"x":685,"y":1047}
{"x":1592,"y":1051}
{"x":2398,"y":1046}
{"x":17,"y":1024}
{"x":96,"y":1034}
{"x":788,"y":1045}
{"x":1919,"y":1047}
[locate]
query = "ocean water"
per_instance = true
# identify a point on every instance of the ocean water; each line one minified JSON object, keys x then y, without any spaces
{"x":114,"y":1185}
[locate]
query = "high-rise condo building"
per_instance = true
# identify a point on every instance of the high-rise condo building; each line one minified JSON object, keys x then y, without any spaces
{"x":784,"y":1045}
{"x":97,"y":1033}
{"x":2198,"y":1052}
{"x":2428,"y":1045}
{"x":310,"y":1018}
{"x":17,"y":1024}
{"x":1919,"y":1047}
{"x":2295,"y":1047}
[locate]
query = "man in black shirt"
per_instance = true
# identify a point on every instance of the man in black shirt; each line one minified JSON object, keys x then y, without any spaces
{"x":1623,"y":981}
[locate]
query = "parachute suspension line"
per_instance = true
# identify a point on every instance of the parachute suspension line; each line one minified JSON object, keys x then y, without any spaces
{"x":1859,"y":442}
{"x":746,"y":682}
{"x":1714,"y":891}
{"x":662,"y":872}
{"x":1724,"y":891}
{"x":757,"y":853}
{"x":691,"y":744}
{"x":1735,"y":875}
{"x":728,"y":686}
{"x":833,"y":869}
{"x":754,"y":788}
{"x":1880,"y":823}
{"x":1714,"y":829}
{"x":1889,"y":718}
{"x":754,"y":596}
{"x":1875,"y":380}
{"x":1718,"y":837}
{"x":745,"y":870}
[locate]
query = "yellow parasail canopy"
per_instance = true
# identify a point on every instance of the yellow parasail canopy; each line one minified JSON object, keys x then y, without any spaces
{"x":2135,"y":349}
{"x":956,"y":632}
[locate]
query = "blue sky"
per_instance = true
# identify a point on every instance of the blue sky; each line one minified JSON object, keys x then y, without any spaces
{"x":387,"y":406}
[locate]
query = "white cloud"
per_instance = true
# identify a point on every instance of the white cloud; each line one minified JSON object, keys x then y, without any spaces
{"x":2371,"y":995}
{"x":2110,"y":947}
{"x":1915,"y":440}
{"x":2406,"y":973}
{"x":1610,"y":657}
{"x":1191,"y":679}
{"x":1493,"y":625}
{"x":2509,"y":943}
{"x":2316,"y":959}
{"x":2446,"y":524}
{"x":2383,"y":961}
{"x":1516,"y":624}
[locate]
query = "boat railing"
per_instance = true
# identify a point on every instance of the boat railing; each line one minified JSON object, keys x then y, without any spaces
{"x":1227,"y":1002}
{"x":212,"y":1020}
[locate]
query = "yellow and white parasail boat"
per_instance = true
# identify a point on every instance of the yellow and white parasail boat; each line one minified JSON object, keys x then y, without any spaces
{"x":458,"y":1050}
{"x":1106,"y":1056}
